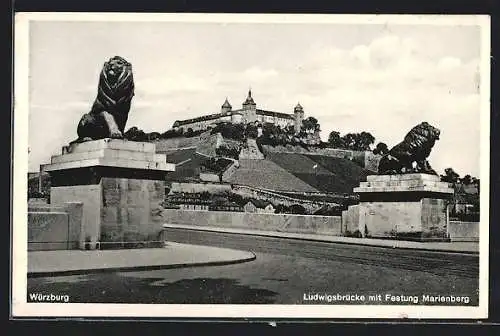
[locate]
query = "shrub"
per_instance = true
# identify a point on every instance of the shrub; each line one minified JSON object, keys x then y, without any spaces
{"x":216,"y":165}
{"x":297,"y":209}
{"x":231,"y":152}
{"x":230,"y":131}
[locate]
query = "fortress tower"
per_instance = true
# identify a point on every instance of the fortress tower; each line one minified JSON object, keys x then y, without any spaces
{"x":249,"y":110}
{"x":298,"y":113}
{"x":247,"y":114}
{"x":226,"y":107}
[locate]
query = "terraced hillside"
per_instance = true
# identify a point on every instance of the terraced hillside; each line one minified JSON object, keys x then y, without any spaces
{"x":350,"y":173}
{"x":268,"y":175}
{"x":178,"y":155}
{"x":336,"y":179}
{"x":187,"y":163}
{"x":287,"y":172}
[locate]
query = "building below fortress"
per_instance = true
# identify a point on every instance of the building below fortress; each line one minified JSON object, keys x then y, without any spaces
{"x":249,"y":113}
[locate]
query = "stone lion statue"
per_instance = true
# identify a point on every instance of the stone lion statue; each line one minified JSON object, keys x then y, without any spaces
{"x":410,"y":155}
{"x":109,"y":113}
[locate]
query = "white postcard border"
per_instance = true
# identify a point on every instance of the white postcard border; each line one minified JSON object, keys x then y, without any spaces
{"x":20,"y":307}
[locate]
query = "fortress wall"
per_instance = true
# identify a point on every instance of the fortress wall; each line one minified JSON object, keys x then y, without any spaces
{"x":208,"y":143}
{"x":252,"y":151}
{"x":230,"y":171}
{"x":199,"y":187}
{"x":176,"y":143}
{"x":209,"y":177}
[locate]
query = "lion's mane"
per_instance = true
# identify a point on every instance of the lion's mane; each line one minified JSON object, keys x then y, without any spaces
{"x":416,"y":147}
{"x":114,"y":95}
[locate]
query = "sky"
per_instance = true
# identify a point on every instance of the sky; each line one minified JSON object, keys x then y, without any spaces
{"x":379,"y":78}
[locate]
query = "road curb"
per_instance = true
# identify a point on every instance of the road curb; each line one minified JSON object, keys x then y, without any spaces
{"x":473,"y":253}
{"x":140,"y":268}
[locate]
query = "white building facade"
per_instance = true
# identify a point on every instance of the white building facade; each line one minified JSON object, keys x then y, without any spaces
{"x":247,"y":114}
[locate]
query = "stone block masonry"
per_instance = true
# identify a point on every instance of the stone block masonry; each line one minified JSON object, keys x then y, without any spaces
{"x":55,"y":227}
{"x":407,"y":206}
{"x":121,"y":185}
{"x":117,"y":211}
{"x":131,"y":211}
{"x":463,"y":231}
{"x":47,"y":231}
{"x":90,"y":196}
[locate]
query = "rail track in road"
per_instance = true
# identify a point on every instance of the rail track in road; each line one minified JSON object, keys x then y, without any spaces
{"x":439,"y":263}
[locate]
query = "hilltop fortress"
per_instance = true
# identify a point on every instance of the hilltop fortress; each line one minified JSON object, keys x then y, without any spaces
{"x":256,"y":155}
{"x":249,"y":113}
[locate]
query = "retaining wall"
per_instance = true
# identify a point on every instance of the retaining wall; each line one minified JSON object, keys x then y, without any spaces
{"x":199,"y":187}
{"x":463,"y":231}
{"x":457,"y":231}
{"x":177,"y":143}
{"x":328,"y":225}
{"x":276,"y":198}
{"x":55,"y":227}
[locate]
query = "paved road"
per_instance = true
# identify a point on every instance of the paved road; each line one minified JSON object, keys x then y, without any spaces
{"x":285,"y":270}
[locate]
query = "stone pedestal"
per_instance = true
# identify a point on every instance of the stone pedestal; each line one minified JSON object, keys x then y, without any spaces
{"x":121,"y":184}
{"x":408,"y":206}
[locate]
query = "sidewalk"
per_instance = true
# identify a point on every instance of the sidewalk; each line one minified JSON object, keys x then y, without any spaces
{"x":455,"y":247}
{"x":173,"y":255}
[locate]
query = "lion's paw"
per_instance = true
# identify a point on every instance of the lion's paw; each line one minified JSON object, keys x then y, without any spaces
{"x":116,"y":134}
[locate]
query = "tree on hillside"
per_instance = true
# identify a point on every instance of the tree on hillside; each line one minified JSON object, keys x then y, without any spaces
{"x":466,"y":180}
{"x":272,"y":135}
{"x":268,"y":130}
{"x":135,"y":134}
{"x":297,"y":209}
{"x":317,"y":128}
{"x":310,"y":124}
{"x":334,"y":140}
{"x":450,"y":176}
{"x":251,"y":131}
{"x":306,"y":125}
{"x":153,"y":136}
{"x":225,"y":151}
{"x":358,"y":141}
{"x":281,"y":208}
{"x":365,"y":140}
{"x":290,"y":130}
{"x":381,"y":149}
{"x":469,"y":180}
{"x":476,"y":181}
{"x":239,"y":132}
{"x":230,"y":131}
{"x":349,"y":141}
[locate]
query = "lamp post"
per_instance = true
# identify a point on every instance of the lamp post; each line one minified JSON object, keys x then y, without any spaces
{"x":40,"y":171}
